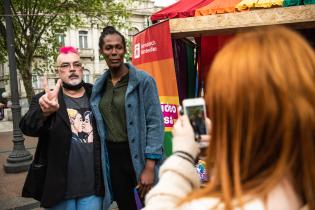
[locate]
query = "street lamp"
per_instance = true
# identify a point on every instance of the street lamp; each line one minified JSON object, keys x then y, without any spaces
{"x":19,"y":159}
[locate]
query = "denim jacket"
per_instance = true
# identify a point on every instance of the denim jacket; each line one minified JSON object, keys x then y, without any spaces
{"x":144,"y":120}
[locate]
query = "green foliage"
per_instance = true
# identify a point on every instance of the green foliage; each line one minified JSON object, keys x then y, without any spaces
{"x":38,"y":22}
{"x":3,"y":52}
{"x":128,"y":54}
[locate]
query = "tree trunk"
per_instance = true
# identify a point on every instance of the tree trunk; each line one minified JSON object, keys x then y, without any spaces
{"x":25,"y":71}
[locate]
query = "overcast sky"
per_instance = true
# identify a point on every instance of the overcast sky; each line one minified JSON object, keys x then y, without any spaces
{"x":164,"y":2}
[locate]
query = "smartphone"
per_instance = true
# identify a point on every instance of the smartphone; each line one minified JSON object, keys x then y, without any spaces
{"x":195,"y":109}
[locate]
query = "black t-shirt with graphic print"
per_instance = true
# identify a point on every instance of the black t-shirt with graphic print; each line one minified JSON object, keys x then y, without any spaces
{"x":81,"y":176}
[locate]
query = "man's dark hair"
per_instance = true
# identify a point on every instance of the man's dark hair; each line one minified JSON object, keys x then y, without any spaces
{"x":108,"y":30}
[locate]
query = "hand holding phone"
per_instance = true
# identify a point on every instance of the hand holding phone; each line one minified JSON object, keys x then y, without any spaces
{"x":184,"y":137}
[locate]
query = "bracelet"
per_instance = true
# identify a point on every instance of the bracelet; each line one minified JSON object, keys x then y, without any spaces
{"x":186,"y":155}
{"x":186,"y":158}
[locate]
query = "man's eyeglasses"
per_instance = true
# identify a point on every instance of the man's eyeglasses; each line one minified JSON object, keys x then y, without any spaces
{"x":67,"y":66}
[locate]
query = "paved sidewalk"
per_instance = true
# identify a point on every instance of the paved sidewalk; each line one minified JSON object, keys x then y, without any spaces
{"x":6,"y":126}
{"x":11,"y":184}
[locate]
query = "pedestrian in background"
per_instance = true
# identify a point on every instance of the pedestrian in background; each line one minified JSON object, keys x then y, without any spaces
{"x":260,"y":96}
{"x":66,"y":171}
{"x":127,"y":109}
{"x":1,"y":111}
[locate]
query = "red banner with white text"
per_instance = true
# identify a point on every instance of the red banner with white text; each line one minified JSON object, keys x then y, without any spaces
{"x":152,"y":52}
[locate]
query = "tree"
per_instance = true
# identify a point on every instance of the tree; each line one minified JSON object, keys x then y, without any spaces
{"x":36,"y":23}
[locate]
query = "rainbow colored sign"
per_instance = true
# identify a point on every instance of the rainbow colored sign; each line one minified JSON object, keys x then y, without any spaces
{"x":153,"y":53}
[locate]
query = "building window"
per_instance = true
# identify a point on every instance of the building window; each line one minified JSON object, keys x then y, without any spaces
{"x":61,"y":39}
{"x":36,"y":81}
{"x":83,"y":39}
{"x":86,"y":75}
{"x":1,"y":70}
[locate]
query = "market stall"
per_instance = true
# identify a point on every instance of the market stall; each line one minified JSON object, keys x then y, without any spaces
{"x":196,"y":31}
{"x":212,"y":23}
{"x":296,"y":16}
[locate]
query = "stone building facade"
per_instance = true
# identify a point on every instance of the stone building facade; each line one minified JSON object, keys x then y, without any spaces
{"x":86,"y":39}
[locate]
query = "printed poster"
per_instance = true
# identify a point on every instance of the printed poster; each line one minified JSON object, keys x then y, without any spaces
{"x":152,"y":52}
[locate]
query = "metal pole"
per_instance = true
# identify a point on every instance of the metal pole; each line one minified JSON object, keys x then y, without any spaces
{"x":19,"y":159}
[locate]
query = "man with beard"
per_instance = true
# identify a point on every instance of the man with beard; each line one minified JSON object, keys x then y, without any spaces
{"x":73,"y":176}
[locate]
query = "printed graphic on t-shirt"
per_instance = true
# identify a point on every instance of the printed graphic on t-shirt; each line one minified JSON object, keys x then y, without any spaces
{"x":81,"y":125}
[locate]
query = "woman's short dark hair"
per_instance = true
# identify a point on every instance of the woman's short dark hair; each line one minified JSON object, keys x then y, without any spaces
{"x":108,"y":30}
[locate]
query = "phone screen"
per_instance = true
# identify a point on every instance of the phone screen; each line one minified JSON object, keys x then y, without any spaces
{"x":196,"y":116}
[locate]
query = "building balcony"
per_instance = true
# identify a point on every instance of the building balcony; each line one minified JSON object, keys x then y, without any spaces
{"x":86,"y":53}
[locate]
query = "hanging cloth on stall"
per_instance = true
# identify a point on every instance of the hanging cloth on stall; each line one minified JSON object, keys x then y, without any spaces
{"x":209,"y":46}
{"x":183,"y":51}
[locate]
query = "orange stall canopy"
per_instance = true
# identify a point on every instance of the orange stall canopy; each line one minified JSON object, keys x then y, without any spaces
{"x":217,"y":7}
{"x":182,"y":8}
